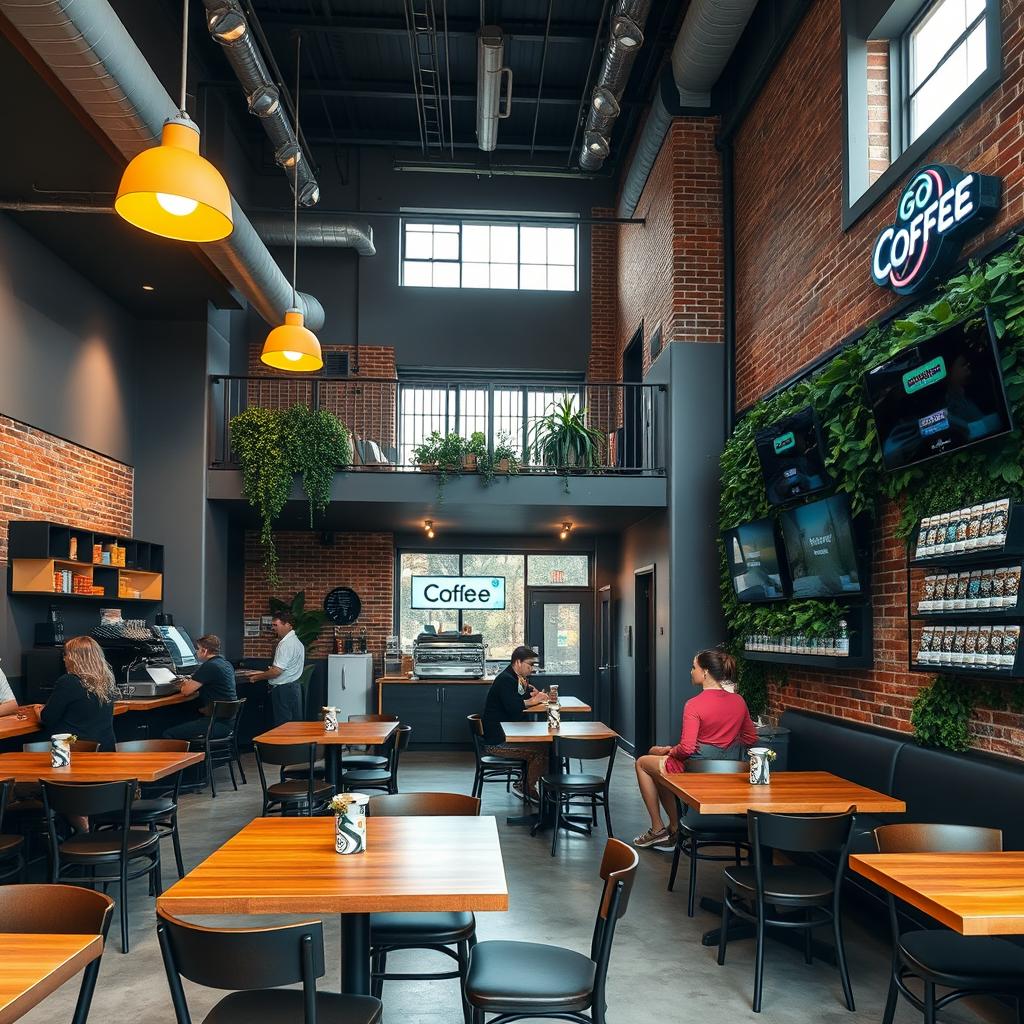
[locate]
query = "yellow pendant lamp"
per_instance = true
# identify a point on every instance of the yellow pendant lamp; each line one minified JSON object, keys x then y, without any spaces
{"x":172,"y":191}
{"x":292,"y":345}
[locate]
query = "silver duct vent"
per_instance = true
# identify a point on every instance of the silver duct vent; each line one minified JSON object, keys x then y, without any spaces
{"x":317,"y":230}
{"x":627,"y":36}
{"x":226,"y":21}
{"x":490,"y":58}
{"x":88,"y":49}
{"x":706,"y":40}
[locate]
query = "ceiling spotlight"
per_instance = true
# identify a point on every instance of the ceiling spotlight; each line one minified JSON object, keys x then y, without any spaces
{"x":626,"y":32}
{"x":596,"y":144}
{"x":226,"y":24}
{"x":429,"y":527}
{"x":566,"y":528}
{"x":604,"y":102}
{"x":148,"y":288}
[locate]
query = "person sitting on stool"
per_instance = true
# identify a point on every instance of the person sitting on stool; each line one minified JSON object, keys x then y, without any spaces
{"x":213,"y":680}
{"x":286,"y":671}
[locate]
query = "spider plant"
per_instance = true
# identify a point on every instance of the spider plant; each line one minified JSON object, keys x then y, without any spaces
{"x":561,"y":438}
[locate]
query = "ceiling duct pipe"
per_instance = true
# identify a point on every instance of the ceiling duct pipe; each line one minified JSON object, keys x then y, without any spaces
{"x":87,"y":48}
{"x":226,"y":21}
{"x":316,"y":230}
{"x":706,"y":40}
{"x":627,"y":36}
{"x":490,"y":72}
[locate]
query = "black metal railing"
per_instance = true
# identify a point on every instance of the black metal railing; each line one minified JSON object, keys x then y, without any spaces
{"x":389,"y":418}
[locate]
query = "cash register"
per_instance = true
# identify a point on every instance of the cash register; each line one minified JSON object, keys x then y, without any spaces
{"x":147,"y":661}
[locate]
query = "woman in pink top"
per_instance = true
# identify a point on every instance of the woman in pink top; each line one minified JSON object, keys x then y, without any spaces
{"x":716,"y":724}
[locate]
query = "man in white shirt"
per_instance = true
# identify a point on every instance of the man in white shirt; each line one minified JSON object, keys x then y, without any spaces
{"x":285,"y":672}
{"x":8,"y":705}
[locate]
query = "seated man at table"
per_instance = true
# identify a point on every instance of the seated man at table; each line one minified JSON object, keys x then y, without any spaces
{"x":509,"y":699}
{"x":8,"y":705}
{"x":213,"y":680}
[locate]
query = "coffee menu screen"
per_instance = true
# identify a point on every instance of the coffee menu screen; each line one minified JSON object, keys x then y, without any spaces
{"x":938,"y":396}
{"x":820,"y":548}
{"x":792,"y":458}
{"x":754,"y":562}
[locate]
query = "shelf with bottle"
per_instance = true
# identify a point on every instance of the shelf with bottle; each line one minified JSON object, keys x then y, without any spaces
{"x":978,"y":535}
{"x":846,"y":649}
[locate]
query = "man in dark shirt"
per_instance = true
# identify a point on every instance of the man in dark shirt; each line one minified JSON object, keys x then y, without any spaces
{"x":213,"y":680}
{"x":509,"y":699}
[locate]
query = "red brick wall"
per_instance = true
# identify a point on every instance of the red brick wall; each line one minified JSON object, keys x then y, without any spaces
{"x":362,"y":561}
{"x":46,"y":477}
{"x":878,"y":108}
{"x":803,"y":284}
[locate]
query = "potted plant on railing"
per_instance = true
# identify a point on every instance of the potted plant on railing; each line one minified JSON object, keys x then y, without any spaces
{"x":562,"y":440}
{"x":425,"y":453}
{"x":503,"y":461}
{"x":475,"y":451}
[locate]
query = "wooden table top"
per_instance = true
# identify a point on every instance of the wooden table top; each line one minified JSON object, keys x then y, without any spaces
{"x":787,"y":793}
{"x":972,"y":893}
{"x":363,"y":734}
{"x":288,"y":866}
{"x":145,"y":767}
{"x":36,"y":965}
{"x":538,"y":732}
{"x":570,"y":705}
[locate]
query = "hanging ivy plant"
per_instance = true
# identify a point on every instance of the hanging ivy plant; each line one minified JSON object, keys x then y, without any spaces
{"x":318,"y":444}
{"x":853,"y":458}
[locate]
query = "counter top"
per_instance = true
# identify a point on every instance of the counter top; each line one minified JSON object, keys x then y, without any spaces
{"x":434,"y":680}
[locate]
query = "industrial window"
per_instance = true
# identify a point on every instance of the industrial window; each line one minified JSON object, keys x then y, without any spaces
{"x":465,"y":254}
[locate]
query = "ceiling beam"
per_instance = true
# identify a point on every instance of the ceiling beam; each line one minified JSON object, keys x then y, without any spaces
{"x":573,"y":33}
{"x":395,"y":139}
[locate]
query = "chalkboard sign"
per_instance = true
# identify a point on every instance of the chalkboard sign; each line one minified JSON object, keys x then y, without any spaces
{"x":342,"y":606}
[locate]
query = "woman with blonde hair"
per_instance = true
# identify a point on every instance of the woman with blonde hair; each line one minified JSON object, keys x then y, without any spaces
{"x":82,"y":702}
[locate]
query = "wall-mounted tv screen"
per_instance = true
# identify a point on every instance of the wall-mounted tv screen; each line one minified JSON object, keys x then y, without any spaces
{"x":939,"y":395}
{"x":821,"y":549}
{"x":754,"y":561}
{"x":792,"y":458}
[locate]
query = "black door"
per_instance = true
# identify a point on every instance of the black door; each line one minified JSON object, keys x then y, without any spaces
{"x":605,"y":653}
{"x":643,"y":661}
{"x":631,"y":454}
{"x":560,"y":628}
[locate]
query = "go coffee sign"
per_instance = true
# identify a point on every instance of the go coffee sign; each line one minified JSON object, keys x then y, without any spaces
{"x":940,"y":207}
{"x":486,"y":593}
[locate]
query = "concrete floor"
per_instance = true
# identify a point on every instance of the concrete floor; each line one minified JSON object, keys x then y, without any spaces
{"x":659,"y":969}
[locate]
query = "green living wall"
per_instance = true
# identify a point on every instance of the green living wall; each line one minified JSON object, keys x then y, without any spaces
{"x":942,"y":709}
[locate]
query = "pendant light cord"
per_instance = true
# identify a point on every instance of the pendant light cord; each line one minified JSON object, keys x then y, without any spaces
{"x":295,"y":182}
{"x":184,"y":56}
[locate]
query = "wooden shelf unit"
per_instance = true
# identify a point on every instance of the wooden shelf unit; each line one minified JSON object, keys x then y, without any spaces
{"x":38,"y":549}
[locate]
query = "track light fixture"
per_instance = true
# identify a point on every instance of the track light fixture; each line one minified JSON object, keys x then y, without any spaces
{"x":428,"y":525}
{"x":566,"y":530}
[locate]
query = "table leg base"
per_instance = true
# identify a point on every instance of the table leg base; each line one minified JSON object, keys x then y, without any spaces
{"x":355,"y":954}
{"x":740,"y":929}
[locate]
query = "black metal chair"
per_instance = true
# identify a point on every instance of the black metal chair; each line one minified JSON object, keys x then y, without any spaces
{"x":966,"y":964}
{"x":255,"y":963}
{"x":59,"y":910}
{"x":374,"y":757}
{"x":750,"y":890}
{"x":222,"y":750}
{"x":157,"y":808}
{"x":700,"y":830}
{"x":428,"y":930}
{"x":12,"y":847}
{"x":385,"y":779}
{"x":43,"y":747}
{"x":307,"y":796}
{"x":567,"y":789}
{"x":491,"y":767}
{"x":102,"y":856}
{"x":520,"y":980}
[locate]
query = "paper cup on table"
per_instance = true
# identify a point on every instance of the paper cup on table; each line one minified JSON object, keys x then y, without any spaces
{"x":60,"y":750}
{"x":350,"y":825}
{"x":760,"y":770}
{"x":330,"y":719}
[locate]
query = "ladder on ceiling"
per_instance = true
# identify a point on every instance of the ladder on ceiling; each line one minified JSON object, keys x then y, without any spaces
{"x":421,"y":22}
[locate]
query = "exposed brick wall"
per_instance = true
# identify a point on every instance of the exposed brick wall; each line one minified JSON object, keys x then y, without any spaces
{"x":878,"y":108}
{"x":46,"y":477}
{"x":803,"y":284}
{"x":366,"y":407}
{"x":362,"y":561}
{"x":605,"y":359}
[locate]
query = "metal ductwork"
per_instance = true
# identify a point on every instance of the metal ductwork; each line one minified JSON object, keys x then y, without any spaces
{"x":88,"y":49}
{"x":227,"y":24}
{"x":490,"y":71}
{"x":627,"y":36}
{"x":316,"y":230}
{"x":706,"y":40}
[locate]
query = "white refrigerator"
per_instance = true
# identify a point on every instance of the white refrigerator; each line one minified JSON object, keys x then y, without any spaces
{"x":350,"y":685}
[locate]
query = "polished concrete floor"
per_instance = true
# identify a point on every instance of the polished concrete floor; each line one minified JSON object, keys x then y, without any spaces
{"x":659,"y":969}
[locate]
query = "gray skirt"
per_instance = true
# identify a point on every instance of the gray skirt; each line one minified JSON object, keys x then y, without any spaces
{"x":709,"y":752}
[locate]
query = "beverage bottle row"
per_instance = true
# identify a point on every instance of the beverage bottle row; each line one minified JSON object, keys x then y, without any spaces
{"x":832,"y":646}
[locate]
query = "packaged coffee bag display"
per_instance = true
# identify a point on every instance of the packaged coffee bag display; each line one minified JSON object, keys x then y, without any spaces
{"x":974,"y":589}
{"x":1011,"y":586}
{"x":1000,"y":520}
{"x":948,"y":634}
{"x":985,"y":528}
{"x":982,"y":648}
{"x":950,"y":592}
{"x":959,"y":645}
{"x":995,"y":648}
{"x":936,"y":532}
{"x":939,"y":599}
{"x":927,"y":602}
{"x":998,"y":587}
{"x":950,"y":543}
{"x":921,"y":549}
{"x":924,"y":648}
{"x":963,"y":581}
{"x":985,"y":597}
{"x":973,"y":527}
{"x":1011,"y":637}
{"x":960,"y":543}
{"x":970,"y":645}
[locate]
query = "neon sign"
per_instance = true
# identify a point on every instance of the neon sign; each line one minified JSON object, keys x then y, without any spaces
{"x":937,"y":210}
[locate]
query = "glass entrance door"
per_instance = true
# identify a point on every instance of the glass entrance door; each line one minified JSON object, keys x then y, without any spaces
{"x":561,"y":629}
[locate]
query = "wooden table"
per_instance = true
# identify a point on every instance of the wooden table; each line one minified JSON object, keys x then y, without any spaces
{"x":288,"y":866}
{"x":787,"y":793}
{"x":349,"y":734}
{"x":568,"y":705}
{"x":144,"y":767}
{"x":972,"y":893}
{"x":33,"y":966}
